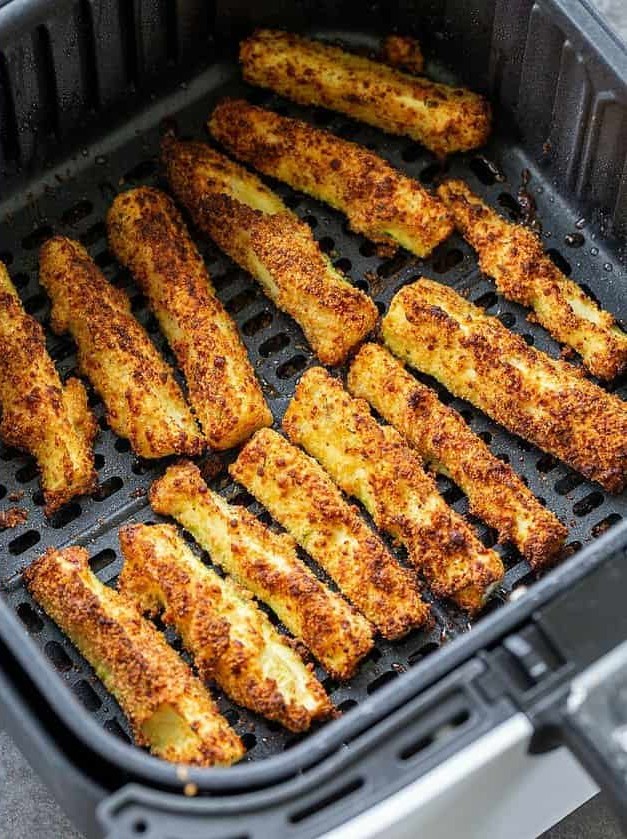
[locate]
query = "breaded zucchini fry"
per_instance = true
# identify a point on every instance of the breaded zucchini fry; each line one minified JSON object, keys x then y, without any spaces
{"x":514,"y":257}
{"x":545,"y":401}
{"x":442,"y":438}
{"x":380,"y":202}
{"x":404,"y":52}
{"x":231,"y":639}
{"x":302,"y":497}
{"x":169,"y":709}
{"x":253,"y":226}
{"x":143,"y":401}
{"x":38,"y":414}
{"x":442,"y":118}
{"x":267,"y":564}
{"x":372,"y":463}
{"x":147,"y":234}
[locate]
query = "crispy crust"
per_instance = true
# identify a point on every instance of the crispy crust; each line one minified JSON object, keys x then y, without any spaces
{"x":403,"y":52}
{"x":495,"y":492}
{"x":380,"y":202}
{"x":143,"y":401}
{"x":147,"y":234}
{"x":40,"y":415}
{"x":372,"y":463}
{"x":231,"y":639}
{"x":135,"y":663}
{"x":547,"y":402}
{"x":301,"y":496}
{"x":251,"y":224}
{"x":514,"y":257}
{"x":442,"y":118}
{"x":268,"y":565}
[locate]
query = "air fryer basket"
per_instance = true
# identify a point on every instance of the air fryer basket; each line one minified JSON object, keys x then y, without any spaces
{"x":561,"y":136}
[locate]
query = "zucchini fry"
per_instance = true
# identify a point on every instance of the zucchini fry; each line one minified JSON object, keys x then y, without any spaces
{"x":444,"y":119}
{"x":169,"y":709}
{"x":268,"y":565}
{"x":545,"y":401}
{"x":379,"y":201}
{"x":147,"y":234}
{"x":442,"y":438}
{"x":514,"y":257}
{"x":143,"y":401}
{"x":231,"y":639}
{"x":372,"y":463}
{"x":404,"y":52}
{"x":301,"y":497}
{"x":49,"y":420}
{"x":253,"y":226}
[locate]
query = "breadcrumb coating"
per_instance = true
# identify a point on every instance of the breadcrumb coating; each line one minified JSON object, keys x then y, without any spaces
{"x":547,"y":402}
{"x":373,"y":464}
{"x":231,"y":640}
{"x":404,"y":52}
{"x":302,"y":497}
{"x":147,"y":235}
{"x":40,"y":415}
{"x":444,"y":119}
{"x":253,"y":226}
{"x":380,"y":202}
{"x":142,"y":399}
{"x":169,"y":709}
{"x":513,"y":255}
{"x":267,"y":564}
{"x":442,"y":438}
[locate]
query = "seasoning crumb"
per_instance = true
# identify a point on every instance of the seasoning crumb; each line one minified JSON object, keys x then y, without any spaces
{"x":16,"y":496}
{"x":12,"y":517}
{"x":138,"y":492}
{"x":190,"y":789}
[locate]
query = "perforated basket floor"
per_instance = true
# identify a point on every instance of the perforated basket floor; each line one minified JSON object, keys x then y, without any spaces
{"x":74,"y":203}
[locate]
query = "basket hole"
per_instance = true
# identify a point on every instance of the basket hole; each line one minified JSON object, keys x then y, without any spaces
{"x":546,"y":463}
{"x":570,"y":549}
{"x":140,"y":826}
{"x":560,"y":261}
{"x":487,"y":300}
{"x":87,"y":695}
{"x":98,"y":562}
{"x":507,"y":319}
{"x":486,"y":437}
{"x":528,"y":339}
{"x":486,"y":171}
{"x":291,"y":367}
{"x":440,"y":733}
{"x":367,"y":248}
{"x":8,"y":453}
{"x":57,"y":655}
{"x":38,"y":498}
{"x":29,"y":617}
{"x":586,"y":288}
{"x":502,"y":456}
{"x":62,"y":351}
{"x":260,"y":321}
{"x":344,"y":265}
{"x":274,"y":345}
{"x":316,"y":807}
{"x":412,"y":153}
{"x":452,"y":494}
{"x":35,"y":303}
{"x":104,"y":258}
{"x":381,"y":681}
{"x":140,"y":466}
{"x":380,"y":306}
{"x":326,"y":244}
{"x":144,"y":169}
{"x":99,"y":461}
{"x":429,"y":174}
{"x":24,"y":542}
{"x":422,"y":652}
{"x":27,"y":473}
{"x":249,"y":740}
{"x":605,"y":524}
{"x":67,"y":514}
{"x":347,"y":705}
{"x":392,"y":266}
{"x":3,"y":491}
{"x":114,"y":727}
{"x":20,"y":280}
{"x":509,"y":203}
{"x":221,"y":281}
{"x":589,"y":503}
{"x":292,"y":201}
{"x":231,"y":716}
{"x":6,"y":257}
{"x":37,"y":237}
{"x":568,"y":483}
{"x":94,"y":233}
{"x":312,"y":221}
{"x":77,"y":212}
{"x":446,"y":259}
{"x":121,"y":445}
{"x":241,"y":300}
{"x":242,"y":499}
{"x":108,"y":488}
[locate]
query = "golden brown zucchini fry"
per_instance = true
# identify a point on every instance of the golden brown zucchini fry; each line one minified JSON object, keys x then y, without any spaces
{"x":302,"y":497}
{"x":444,"y":119}
{"x":372,"y":463}
{"x":253,"y":226}
{"x":267,"y":564}
{"x":514,"y":257}
{"x":169,"y":709}
{"x":231,"y":639}
{"x":404,"y":52}
{"x":147,"y":234}
{"x":380,"y":202}
{"x":545,"y":401}
{"x":143,"y":401}
{"x":495,"y":492}
{"x":50,"y":420}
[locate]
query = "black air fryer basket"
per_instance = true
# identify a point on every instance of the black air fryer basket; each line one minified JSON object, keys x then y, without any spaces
{"x":86,"y":90}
